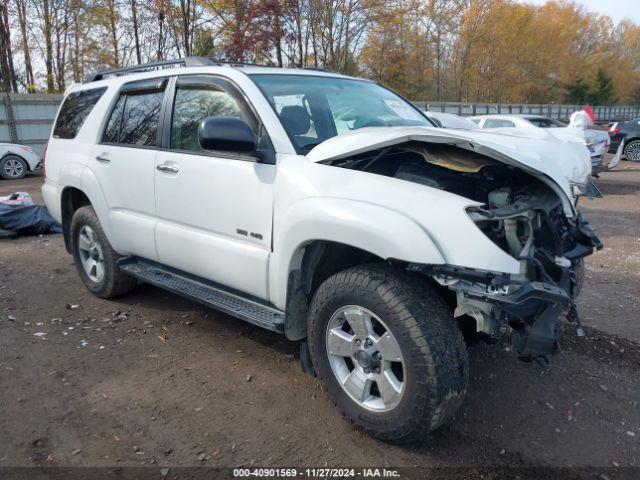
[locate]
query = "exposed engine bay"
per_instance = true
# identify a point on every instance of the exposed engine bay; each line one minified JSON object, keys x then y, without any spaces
{"x":520,"y":214}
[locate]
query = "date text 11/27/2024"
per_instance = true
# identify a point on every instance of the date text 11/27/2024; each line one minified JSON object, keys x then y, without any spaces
{"x":315,"y":472}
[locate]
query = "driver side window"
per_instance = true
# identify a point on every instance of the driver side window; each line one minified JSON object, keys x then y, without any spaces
{"x":191,"y":106}
{"x":295,"y":115}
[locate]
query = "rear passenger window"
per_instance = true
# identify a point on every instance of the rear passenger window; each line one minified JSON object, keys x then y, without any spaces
{"x":112,"y":132}
{"x":134,"y":118}
{"x":74,"y":111}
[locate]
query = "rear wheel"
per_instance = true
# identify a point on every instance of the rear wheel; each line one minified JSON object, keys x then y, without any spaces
{"x":632,"y":151}
{"x":94,"y":258}
{"x":388,"y":350}
{"x":12,"y":167}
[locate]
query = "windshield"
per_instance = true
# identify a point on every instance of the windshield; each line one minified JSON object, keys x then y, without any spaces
{"x":313,"y":109}
{"x":546,"y":122}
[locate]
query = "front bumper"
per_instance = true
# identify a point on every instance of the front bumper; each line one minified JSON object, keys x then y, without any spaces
{"x":530,"y":309}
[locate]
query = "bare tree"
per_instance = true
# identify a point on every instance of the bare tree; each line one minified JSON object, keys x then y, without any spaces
{"x":21,"y":9}
{"x":136,"y":34}
{"x":6,"y":61}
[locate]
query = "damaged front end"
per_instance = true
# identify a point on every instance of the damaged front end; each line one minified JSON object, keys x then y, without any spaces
{"x":531,"y":304}
{"x":523,"y":215}
{"x":526,"y":220}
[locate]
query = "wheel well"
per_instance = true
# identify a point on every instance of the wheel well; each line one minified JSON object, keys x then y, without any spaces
{"x":317,"y":261}
{"x":72,"y":200}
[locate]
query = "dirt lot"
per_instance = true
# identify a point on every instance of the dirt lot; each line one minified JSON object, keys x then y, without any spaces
{"x":152,"y":379}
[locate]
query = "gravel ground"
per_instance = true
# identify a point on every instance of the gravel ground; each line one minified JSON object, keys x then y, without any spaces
{"x":153,"y":379}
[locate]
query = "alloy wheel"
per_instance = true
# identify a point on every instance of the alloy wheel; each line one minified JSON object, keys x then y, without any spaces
{"x":13,"y":167}
{"x":633,"y":151}
{"x":365,"y":358}
{"x":91,"y":255}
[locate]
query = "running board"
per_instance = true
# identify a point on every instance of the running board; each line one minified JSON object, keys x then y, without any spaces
{"x":208,"y":293}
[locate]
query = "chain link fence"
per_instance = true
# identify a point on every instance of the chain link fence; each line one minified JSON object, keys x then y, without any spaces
{"x":28,"y":118}
{"x":604,"y":114}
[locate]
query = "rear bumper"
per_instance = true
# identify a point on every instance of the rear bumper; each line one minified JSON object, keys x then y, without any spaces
{"x":613,"y":146}
{"x":51,"y":198}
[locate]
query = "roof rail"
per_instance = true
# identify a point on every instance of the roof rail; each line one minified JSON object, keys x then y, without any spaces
{"x":185,"y":62}
{"x":242,"y":64}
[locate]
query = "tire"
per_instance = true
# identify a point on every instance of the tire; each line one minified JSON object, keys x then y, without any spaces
{"x":90,"y":246}
{"x":632,"y":151}
{"x":434,"y":364}
{"x":12,"y":167}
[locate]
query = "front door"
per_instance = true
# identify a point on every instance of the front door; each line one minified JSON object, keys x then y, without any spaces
{"x":214,"y":209}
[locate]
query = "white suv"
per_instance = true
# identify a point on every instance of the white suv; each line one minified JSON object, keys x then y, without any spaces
{"x":329,"y":209}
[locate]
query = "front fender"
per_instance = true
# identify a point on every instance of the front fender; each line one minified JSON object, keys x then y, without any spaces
{"x":381,"y":231}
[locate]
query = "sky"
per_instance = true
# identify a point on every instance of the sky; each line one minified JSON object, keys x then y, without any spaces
{"x":616,"y":9}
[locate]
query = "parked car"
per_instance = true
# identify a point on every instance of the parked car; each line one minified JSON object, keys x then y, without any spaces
{"x":450,"y":120}
{"x":330,"y":210}
{"x":628,"y":135}
{"x":16,"y":160}
{"x":597,"y":141}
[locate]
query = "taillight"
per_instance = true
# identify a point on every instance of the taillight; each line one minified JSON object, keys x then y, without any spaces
{"x":44,"y":156}
{"x":614,"y":129}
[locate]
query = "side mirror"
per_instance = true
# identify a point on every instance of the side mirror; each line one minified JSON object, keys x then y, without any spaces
{"x":226,"y":134}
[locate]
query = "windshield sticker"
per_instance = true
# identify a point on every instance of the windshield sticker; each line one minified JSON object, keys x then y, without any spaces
{"x":403,"y":110}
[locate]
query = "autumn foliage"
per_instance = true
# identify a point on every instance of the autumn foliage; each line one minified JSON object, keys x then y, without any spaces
{"x":439,"y":50}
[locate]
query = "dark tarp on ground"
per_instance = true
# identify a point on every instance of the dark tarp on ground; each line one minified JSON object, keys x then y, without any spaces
{"x":27,"y":220}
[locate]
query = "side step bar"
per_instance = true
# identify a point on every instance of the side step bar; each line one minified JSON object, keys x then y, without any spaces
{"x":208,"y":293}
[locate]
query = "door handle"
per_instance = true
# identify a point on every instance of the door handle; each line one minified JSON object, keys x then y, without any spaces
{"x":103,"y":157}
{"x":167,"y":168}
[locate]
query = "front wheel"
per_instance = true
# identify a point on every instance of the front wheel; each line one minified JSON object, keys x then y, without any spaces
{"x":12,"y":167}
{"x":388,"y":351}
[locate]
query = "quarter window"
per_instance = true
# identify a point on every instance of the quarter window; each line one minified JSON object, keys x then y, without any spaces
{"x":74,"y":111}
{"x":194,"y":103}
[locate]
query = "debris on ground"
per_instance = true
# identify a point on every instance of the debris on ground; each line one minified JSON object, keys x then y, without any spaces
{"x":120,"y":315}
{"x":21,"y":217}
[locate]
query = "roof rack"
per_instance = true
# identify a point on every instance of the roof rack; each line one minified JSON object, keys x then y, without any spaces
{"x":182,"y":62}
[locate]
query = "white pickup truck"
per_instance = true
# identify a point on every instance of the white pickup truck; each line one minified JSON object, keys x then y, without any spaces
{"x":329,"y":209}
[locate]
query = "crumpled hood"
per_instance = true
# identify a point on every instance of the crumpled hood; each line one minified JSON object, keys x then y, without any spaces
{"x":560,"y":154}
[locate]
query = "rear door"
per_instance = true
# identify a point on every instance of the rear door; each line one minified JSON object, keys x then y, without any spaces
{"x":124,"y":163}
{"x":214,"y":209}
